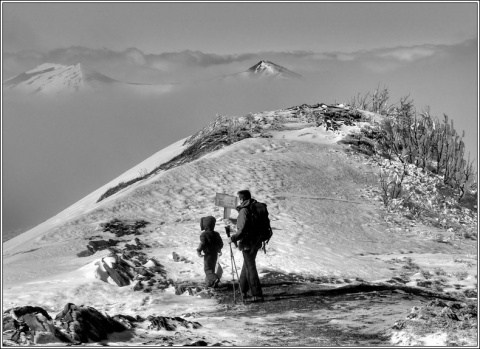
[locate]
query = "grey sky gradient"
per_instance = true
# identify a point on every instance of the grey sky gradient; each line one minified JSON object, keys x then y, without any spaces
{"x":235,"y":27}
{"x":56,"y":152}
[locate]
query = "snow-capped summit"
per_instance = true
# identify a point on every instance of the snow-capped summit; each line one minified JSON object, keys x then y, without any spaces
{"x":48,"y":78}
{"x":263,"y":70}
{"x":54,"y":79}
{"x":269,"y":69}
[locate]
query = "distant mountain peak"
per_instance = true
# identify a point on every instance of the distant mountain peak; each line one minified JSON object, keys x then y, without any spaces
{"x":269,"y":69}
{"x":56,"y":79}
{"x":263,"y":70}
{"x":48,"y":78}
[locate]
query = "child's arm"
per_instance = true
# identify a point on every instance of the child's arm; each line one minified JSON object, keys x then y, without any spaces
{"x":220,"y":242}
{"x":201,"y":245}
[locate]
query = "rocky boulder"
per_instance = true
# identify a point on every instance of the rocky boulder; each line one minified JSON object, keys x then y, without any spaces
{"x":32,"y":325}
{"x":111,"y":269}
{"x":120,"y":228}
{"x":170,"y":323}
{"x":97,"y":245}
{"x":135,"y":244}
{"x":124,"y":268}
{"x":84,"y":324}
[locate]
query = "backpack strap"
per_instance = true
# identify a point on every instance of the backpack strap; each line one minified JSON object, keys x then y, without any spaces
{"x":271,"y":234}
{"x":264,"y":244}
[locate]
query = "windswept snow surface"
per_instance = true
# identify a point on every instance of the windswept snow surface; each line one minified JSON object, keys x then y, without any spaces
{"x":322,"y":226}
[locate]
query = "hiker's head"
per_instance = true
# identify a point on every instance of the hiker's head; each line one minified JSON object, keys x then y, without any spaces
{"x":244,"y":195}
{"x":207,"y":223}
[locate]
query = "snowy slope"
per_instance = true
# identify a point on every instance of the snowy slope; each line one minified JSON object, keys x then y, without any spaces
{"x":187,"y":195}
{"x":55,"y":79}
{"x":88,"y":203}
{"x":322,"y":225}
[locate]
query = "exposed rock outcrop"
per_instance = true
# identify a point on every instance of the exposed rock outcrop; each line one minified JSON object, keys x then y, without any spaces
{"x":120,"y":228}
{"x":84,"y":323}
{"x":129,"y":267}
{"x":32,"y":325}
{"x":170,"y":323}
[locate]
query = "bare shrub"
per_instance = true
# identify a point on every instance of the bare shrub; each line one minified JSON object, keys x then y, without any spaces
{"x":391,"y":187}
{"x":439,"y":271}
{"x":143,"y":172}
{"x":426,"y":274}
{"x":410,"y":265}
{"x":460,"y":275}
{"x":420,"y":139}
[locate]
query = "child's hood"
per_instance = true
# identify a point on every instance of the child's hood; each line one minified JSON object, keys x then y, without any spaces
{"x":207,"y":223}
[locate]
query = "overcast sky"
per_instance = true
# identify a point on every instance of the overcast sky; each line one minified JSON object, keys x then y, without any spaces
{"x":54,"y":153}
{"x":235,"y":27}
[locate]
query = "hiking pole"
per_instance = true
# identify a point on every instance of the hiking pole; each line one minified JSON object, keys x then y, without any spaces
{"x":234,"y":270}
{"x":239,"y":287}
{"x":233,"y":273}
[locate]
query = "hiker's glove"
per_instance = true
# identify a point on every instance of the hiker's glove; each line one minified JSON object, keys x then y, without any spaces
{"x":199,"y":254}
{"x":219,"y":253}
{"x":229,"y":240}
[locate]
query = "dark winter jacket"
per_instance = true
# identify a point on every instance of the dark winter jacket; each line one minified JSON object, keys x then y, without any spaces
{"x":244,"y":226}
{"x":210,"y":240}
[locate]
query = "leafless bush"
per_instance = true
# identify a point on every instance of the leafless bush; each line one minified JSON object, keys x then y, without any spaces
{"x":464,"y":261}
{"x":460,"y":275}
{"x":409,"y":264}
{"x":376,"y":101}
{"x":391,"y":187}
{"x":380,"y":99}
{"x":360,"y":102}
{"x":426,"y":274}
{"x":439,"y":271}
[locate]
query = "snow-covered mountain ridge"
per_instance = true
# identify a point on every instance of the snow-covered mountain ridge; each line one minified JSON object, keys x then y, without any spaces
{"x":325,"y":228}
{"x":48,"y":78}
{"x":57,"y":79}
{"x":298,"y":127}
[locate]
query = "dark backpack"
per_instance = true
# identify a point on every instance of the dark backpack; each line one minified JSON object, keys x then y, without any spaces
{"x":261,"y":229}
{"x":215,"y":242}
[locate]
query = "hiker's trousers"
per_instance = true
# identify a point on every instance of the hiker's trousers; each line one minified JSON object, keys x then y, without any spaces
{"x":249,"y":279}
{"x":209,"y":264}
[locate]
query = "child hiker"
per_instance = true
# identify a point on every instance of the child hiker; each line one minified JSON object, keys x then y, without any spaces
{"x":211,"y":244}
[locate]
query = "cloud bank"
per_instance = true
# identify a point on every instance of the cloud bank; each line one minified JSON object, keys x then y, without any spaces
{"x":134,"y":65}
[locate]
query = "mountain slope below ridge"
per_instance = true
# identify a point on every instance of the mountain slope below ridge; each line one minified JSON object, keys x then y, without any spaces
{"x":323,"y":227}
{"x":334,"y":230}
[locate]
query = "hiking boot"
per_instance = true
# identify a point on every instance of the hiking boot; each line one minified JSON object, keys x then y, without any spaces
{"x":245,"y":296}
{"x":216,"y":283}
{"x":258,"y":299}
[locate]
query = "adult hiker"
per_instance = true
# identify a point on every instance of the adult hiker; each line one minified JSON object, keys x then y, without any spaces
{"x":249,"y":280}
{"x":211,"y":244}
